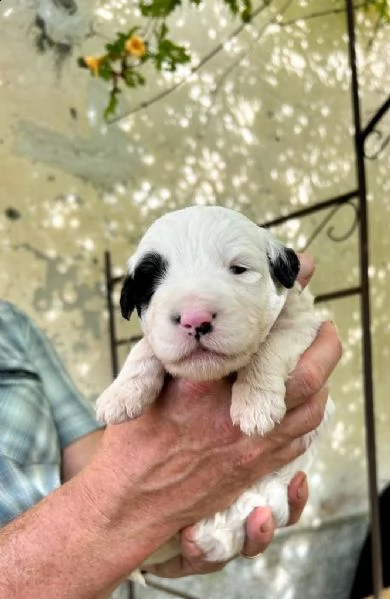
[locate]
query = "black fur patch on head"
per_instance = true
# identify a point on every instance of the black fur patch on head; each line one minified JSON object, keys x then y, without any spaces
{"x":138,"y":288}
{"x":127,"y":301}
{"x":285,"y":267}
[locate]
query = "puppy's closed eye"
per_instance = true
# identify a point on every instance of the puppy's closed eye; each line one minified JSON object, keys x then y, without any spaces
{"x":237,"y":269}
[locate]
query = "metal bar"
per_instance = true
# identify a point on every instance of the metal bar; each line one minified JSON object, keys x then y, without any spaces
{"x":339,"y":294}
{"x":111,"y":314}
{"x":341,"y":199}
{"x":128,"y":340}
{"x":116,"y":280}
{"x":375,"y":119}
{"x":110,"y":282}
{"x":365,"y":312}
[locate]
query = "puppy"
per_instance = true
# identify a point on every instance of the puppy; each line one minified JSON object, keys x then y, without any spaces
{"x":217,"y":294}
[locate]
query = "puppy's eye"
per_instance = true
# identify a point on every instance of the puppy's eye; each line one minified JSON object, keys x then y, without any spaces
{"x":236,"y":269}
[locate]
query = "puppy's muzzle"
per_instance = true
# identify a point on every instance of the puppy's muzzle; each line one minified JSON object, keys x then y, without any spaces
{"x":195,"y":322}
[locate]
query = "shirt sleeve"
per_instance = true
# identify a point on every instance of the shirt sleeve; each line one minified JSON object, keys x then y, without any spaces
{"x":72,"y":413}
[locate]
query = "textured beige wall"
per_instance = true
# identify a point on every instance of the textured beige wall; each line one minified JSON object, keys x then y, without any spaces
{"x":270,"y":136}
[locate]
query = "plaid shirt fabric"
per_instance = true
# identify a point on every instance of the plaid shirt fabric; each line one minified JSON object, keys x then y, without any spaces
{"x":41,"y":412}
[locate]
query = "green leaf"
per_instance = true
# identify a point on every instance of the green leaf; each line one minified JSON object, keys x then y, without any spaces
{"x":246,"y":13}
{"x":169,"y":55}
{"x":162,"y":32}
{"x":105,"y":70}
{"x":381,"y":6}
{"x":243,"y":8}
{"x":112,"y":105}
{"x":158,"y":8}
{"x":116,"y":48}
{"x":133,"y":78}
{"x":233,"y":6}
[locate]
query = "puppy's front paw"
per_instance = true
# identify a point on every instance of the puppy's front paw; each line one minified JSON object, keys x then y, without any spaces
{"x":256,"y":411}
{"x":119,"y":404}
{"x":219,"y":544}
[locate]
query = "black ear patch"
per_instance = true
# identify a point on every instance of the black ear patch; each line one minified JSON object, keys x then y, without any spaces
{"x":285,"y":267}
{"x":138,"y":288}
{"x":127,"y":301}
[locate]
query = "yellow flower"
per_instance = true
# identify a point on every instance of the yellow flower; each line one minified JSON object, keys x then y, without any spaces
{"x":135,"y":45}
{"x":93,"y":63}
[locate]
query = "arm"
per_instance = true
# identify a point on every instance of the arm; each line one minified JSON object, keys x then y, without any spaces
{"x":78,"y":431}
{"x":77,"y":454}
{"x":68,"y":545}
{"x":73,"y":414}
{"x":180,"y":462}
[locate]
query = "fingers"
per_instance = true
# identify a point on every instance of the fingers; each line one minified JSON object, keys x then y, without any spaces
{"x":298,"y":494}
{"x":191,"y":561}
{"x":173,"y":568}
{"x":315,"y":365}
{"x":260,"y":528}
{"x":301,"y":420}
{"x":306,"y":269}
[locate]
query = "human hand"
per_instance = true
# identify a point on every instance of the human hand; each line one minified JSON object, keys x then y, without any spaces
{"x":320,"y":359}
{"x":184,"y":460}
{"x":306,"y":382}
{"x":260,"y":529}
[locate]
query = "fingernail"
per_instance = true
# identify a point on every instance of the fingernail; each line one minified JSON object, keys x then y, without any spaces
{"x":307,"y":265}
{"x":266,"y":527}
{"x":335,"y":326}
{"x":301,"y":491}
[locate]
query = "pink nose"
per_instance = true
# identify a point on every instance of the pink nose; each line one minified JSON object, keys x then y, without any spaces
{"x":195,"y":318}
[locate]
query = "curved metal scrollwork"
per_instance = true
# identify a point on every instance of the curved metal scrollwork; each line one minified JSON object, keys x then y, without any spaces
{"x":330,"y":231}
{"x":380,"y":144}
{"x":355,"y":221}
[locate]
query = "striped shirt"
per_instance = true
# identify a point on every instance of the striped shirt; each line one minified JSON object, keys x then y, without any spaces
{"x":41,"y":412}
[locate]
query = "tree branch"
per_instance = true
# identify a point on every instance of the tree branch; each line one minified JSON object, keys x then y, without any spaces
{"x":233,"y":65}
{"x":219,"y":47}
{"x":194,"y":69}
{"x":316,"y":15}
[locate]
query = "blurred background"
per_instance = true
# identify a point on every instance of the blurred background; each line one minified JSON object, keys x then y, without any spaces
{"x":260,"y":121}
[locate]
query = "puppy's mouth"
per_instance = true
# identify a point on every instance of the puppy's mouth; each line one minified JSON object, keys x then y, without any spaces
{"x":205,"y":364}
{"x":200,"y":351}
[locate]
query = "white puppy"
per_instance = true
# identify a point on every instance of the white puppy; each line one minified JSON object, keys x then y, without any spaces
{"x":217,"y":294}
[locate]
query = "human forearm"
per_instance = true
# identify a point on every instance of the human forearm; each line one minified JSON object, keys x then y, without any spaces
{"x":78,"y":454}
{"x":178,"y":463}
{"x":83,"y":539}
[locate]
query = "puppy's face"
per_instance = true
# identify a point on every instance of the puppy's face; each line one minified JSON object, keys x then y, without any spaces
{"x":208,"y":285}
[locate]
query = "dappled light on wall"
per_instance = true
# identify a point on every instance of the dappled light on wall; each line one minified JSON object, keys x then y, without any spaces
{"x":261,"y":124}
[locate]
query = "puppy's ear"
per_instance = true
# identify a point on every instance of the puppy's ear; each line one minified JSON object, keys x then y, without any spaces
{"x":284,"y":264}
{"x":127,"y":301}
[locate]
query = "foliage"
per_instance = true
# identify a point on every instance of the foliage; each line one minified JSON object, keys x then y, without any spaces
{"x":382,"y":7}
{"x":126,"y":55}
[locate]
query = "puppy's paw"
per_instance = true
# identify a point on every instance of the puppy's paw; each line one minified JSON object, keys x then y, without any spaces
{"x":219,"y":544}
{"x":119,"y":404}
{"x":136,"y":576}
{"x":256,"y":411}
{"x":110,"y":411}
{"x":272,"y":492}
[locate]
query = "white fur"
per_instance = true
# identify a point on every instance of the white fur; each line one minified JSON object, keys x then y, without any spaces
{"x":260,"y":330}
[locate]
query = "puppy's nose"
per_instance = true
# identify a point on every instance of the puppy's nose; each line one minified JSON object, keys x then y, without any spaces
{"x":198,"y":321}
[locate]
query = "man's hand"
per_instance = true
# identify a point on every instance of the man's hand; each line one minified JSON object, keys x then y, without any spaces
{"x":260,"y":529}
{"x":307,"y":384}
